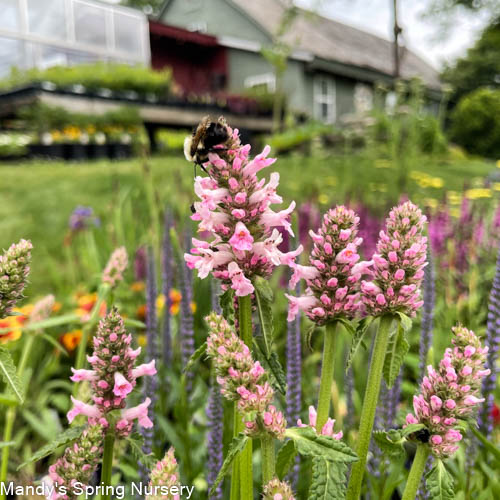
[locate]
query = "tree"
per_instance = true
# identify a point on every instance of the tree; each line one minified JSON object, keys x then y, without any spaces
{"x":480,"y":67}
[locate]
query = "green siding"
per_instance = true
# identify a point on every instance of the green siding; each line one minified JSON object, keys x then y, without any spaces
{"x":344,"y":96}
{"x":222,"y":18}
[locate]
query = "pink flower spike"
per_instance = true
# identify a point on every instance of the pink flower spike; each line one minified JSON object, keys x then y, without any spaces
{"x":81,"y":408}
{"x":80,"y":375}
{"x":144,"y":369}
{"x":242,"y":239}
{"x":122,"y":386}
{"x":140,"y":413}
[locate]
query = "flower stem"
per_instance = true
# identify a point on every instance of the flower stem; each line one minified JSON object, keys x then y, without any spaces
{"x":235,"y":476}
{"x":369,"y":406}
{"x":10,"y":416}
{"x":417,"y":469}
{"x":245,"y":458}
{"x":327,"y":366}
{"x":107,"y":464}
{"x":268,"y":459}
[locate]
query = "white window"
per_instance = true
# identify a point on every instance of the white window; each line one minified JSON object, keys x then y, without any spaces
{"x":266,"y":81}
{"x":324,"y":99}
{"x":363,"y":98}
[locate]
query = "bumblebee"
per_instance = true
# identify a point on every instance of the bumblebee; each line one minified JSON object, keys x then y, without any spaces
{"x":206,"y":136}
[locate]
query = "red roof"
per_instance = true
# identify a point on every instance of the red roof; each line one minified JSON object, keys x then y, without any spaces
{"x":164,"y":30}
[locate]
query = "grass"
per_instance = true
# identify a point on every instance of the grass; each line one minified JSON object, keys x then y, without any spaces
{"x":38,"y":197}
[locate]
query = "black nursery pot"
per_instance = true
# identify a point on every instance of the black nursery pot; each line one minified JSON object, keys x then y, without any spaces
{"x":76,"y":152}
{"x":97,"y":151}
{"x":118,"y":151}
{"x":55,"y":151}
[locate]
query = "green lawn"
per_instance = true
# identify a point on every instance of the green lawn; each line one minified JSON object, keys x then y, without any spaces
{"x":37,"y":198}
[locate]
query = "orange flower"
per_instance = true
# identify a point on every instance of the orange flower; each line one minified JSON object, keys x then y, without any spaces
{"x":141,"y":312}
{"x":138,"y":286}
{"x":70,"y":340}
{"x":175,"y":301}
{"x":85,"y":304}
{"x":14,"y":323}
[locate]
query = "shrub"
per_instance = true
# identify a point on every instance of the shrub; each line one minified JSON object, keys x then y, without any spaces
{"x":476,"y":123}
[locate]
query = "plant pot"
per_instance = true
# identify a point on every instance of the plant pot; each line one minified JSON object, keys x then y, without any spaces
{"x":118,"y":151}
{"x":97,"y":151}
{"x":75,"y":152}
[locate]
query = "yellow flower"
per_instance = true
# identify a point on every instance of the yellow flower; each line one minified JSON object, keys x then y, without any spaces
{"x":498,"y":163}
{"x":160,"y":302}
{"x":142,"y":340}
{"x":496,"y":185}
{"x":437,"y":182}
{"x":70,"y":340}
{"x":431,"y":202}
{"x":323,"y":199}
{"x":475,"y":193}
{"x":14,"y":323}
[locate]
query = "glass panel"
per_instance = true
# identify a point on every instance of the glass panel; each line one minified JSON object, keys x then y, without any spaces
{"x":54,"y":56}
{"x":90,"y":24}
{"x":11,"y":54}
{"x":47,"y":18}
{"x":9,"y":15}
{"x":128,"y":33}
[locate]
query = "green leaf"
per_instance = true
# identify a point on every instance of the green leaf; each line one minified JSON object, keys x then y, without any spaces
{"x":9,"y":374}
{"x":64,"y":439}
{"x":136,"y":442}
{"x":439,"y":482}
{"x":48,"y":323}
{"x":237,"y":446}
{"x":285,"y":459}
{"x":273,"y":366}
{"x":410,"y":429}
{"x":226,"y":301}
{"x":405,"y":321}
{"x":494,"y":450}
{"x":357,"y":339}
{"x":328,"y":480}
{"x":8,"y":400}
{"x":390,"y":444}
{"x":310,"y":444}
{"x":195,"y":357}
{"x":54,"y":342}
{"x":5,"y":444}
{"x":264,"y":300}
{"x":134,"y":323}
{"x":348,"y":325}
{"x":396,"y":351}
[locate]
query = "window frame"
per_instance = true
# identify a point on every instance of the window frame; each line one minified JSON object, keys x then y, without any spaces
{"x":329,"y":98}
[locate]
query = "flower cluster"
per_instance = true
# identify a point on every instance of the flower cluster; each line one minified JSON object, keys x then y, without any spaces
{"x":327,"y":429}
{"x":451,"y":392}
{"x":14,"y":270}
{"x":82,"y":218}
{"x":398,"y":266}
{"x":78,"y":463}
{"x":333,"y":276}
{"x":242,"y":379}
{"x":42,"y":309}
{"x":113,"y":377}
{"x":278,"y":490}
{"x":164,"y":476}
{"x":235,"y":209}
{"x":117,"y":263}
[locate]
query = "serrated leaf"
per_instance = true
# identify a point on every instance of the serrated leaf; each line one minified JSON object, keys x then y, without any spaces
{"x":226,"y":301}
{"x":136,"y":442}
{"x":285,"y":459}
{"x":64,"y":439}
{"x":310,"y":444}
{"x":195,"y":357}
{"x":9,"y":374}
{"x":394,"y":357}
{"x":405,"y":321}
{"x":390,"y":447}
{"x":439,"y":482}
{"x":347,"y":325}
{"x":328,"y":480}
{"x":357,"y":340}
{"x":411,"y":428}
{"x":237,"y":446}
{"x":264,"y":300}
{"x":273,"y":366}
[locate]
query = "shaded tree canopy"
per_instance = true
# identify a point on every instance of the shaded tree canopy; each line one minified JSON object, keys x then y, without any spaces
{"x":480,"y":67}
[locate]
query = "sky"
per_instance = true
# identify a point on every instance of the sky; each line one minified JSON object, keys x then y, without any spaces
{"x":423,"y":36}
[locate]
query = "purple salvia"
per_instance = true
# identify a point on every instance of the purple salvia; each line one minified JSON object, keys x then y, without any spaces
{"x":140,"y":264}
{"x":492,"y":342}
{"x":186,"y":316}
{"x":429,"y":296}
{"x":167,"y":284}
{"x":150,"y":386}
{"x":294,"y":381}
{"x":215,"y":420}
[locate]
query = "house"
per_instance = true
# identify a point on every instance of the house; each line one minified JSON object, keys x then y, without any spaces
{"x":332,"y":67}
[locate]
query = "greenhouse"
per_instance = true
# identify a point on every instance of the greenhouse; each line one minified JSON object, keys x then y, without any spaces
{"x":44,"y":33}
